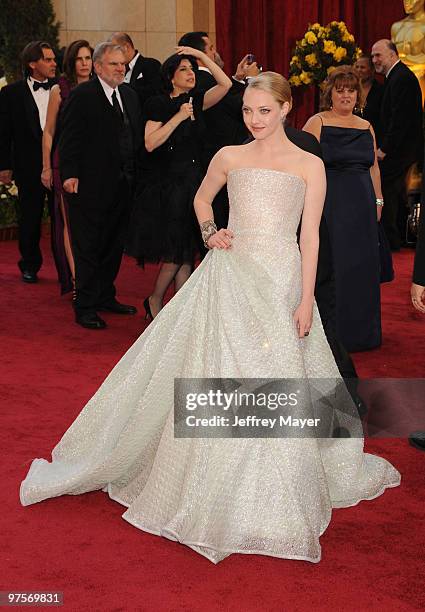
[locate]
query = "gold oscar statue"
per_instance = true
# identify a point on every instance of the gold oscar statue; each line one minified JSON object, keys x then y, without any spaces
{"x":409,"y":37}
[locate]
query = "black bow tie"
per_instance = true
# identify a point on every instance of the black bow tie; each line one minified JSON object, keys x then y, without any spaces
{"x":36,"y":85}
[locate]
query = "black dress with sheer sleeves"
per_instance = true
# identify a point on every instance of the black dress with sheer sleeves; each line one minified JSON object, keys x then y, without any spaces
{"x":163,"y":224}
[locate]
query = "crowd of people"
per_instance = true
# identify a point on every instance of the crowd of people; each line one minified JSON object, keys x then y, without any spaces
{"x":149,"y":167}
{"x":119,"y":144}
{"x":156,"y":152}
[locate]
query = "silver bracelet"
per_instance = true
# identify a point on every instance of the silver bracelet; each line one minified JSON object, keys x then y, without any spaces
{"x":208,"y":229}
{"x":379,"y":202}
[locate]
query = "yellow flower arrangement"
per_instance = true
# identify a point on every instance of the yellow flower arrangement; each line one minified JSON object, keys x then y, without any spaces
{"x":305,"y":77}
{"x":340,"y":53}
{"x":311,"y":38}
{"x":321,"y":49}
{"x":311,"y":59}
{"x":295,"y":80}
{"x":329,"y":46}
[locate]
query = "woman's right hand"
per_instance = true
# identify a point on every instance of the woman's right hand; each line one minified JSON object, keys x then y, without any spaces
{"x":47,"y":178}
{"x":186,"y":111}
{"x":221,"y":239}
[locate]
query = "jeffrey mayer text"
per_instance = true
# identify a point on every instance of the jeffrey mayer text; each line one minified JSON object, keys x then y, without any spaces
{"x":250,"y":421}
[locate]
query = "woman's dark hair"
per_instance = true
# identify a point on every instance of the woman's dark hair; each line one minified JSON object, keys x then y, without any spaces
{"x":343,"y":76}
{"x":32,"y":53}
{"x":70,"y":57}
{"x":169,"y":67}
{"x":194,"y":40}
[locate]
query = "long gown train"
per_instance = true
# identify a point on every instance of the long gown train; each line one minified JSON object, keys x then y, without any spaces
{"x":233,"y":318}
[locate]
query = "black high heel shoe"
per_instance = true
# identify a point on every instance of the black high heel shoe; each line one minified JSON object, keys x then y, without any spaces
{"x":147,"y":306}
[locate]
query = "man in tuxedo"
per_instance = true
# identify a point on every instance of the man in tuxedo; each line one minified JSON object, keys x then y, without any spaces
{"x":400,"y":142}
{"x":142,"y":73}
{"x":23,"y":109}
{"x":417,"y":292}
{"x":100,"y":137}
{"x":223,"y":121}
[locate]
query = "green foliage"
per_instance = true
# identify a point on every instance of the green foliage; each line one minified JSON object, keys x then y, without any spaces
{"x":22,"y":21}
{"x":9,"y":206}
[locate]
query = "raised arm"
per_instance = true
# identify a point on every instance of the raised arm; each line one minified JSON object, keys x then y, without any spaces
{"x":214,"y":180}
{"x":48,"y":135}
{"x":309,"y":240}
{"x":216,"y":93}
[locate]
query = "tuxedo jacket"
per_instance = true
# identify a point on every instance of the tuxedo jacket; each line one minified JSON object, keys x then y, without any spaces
{"x":419,"y":267}
{"x":372,"y":110}
{"x":224,"y":120}
{"x":401,"y":120}
{"x":149,"y":84}
{"x":89,"y":144}
{"x":20,"y":132}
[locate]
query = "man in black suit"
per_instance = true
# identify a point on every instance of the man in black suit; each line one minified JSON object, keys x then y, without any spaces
{"x":224,"y":121}
{"x":98,"y":147}
{"x":142,"y":73}
{"x":417,"y":292}
{"x":400,"y":142}
{"x":23,"y":109}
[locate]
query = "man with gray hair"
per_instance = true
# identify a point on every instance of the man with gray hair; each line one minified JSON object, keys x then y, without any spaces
{"x":98,"y":149}
{"x":400,"y":142}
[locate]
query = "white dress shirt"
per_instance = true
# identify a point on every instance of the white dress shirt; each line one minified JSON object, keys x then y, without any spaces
{"x":387,"y":75}
{"x":130,"y":69}
{"x":109,"y":91}
{"x":41,"y":98}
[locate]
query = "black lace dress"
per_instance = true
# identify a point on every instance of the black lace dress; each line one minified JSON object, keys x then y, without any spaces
{"x":163,"y":224}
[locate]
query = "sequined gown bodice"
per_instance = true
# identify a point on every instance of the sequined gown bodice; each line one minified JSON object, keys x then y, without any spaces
{"x":232,"y":318}
{"x":265,"y":203}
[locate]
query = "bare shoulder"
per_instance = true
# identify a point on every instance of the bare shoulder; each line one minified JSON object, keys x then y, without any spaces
{"x":311,"y":164}
{"x":360,"y":123}
{"x":55,"y":91}
{"x":313,"y":121}
{"x":229,"y":157}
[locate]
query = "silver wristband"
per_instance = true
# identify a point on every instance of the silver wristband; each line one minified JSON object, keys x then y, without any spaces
{"x":208,"y":229}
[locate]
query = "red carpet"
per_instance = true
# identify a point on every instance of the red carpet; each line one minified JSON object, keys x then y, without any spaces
{"x":372,"y":554}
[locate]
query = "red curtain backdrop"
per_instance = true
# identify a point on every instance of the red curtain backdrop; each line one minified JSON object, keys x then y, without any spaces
{"x":269,"y":29}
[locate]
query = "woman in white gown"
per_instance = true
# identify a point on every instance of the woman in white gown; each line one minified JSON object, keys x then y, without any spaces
{"x":247,"y":311}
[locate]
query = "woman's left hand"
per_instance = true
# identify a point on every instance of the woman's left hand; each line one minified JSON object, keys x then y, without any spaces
{"x":303,"y":318}
{"x":379,"y":213}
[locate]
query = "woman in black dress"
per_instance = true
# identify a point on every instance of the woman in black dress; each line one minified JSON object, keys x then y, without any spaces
{"x":163,"y":227}
{"x":372,"y":93}
{"x":352,"y":207}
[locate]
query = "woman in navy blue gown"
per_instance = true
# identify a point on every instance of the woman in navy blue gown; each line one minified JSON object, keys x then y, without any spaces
{"x":352,"y":208}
